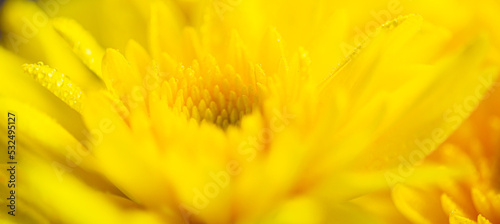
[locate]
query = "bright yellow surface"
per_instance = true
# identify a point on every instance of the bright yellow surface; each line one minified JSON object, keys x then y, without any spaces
{"x":252,"y":111}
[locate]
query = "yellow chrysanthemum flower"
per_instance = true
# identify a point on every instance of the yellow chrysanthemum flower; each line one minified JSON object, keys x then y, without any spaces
{"x":474,"y":196}
{"x":225,"y":111}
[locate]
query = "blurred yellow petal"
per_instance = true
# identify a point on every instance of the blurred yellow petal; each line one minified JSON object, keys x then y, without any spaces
{"x":28,"y":27}
{"x":227,"y":111}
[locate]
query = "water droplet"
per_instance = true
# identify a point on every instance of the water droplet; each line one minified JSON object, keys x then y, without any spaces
{"x":65,"y":94}
{"x":40,"y":75}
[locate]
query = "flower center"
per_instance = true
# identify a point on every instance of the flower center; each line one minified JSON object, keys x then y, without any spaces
{"x":206,"y":94}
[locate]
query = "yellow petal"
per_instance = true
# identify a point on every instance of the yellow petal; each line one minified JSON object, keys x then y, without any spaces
{"x":28,"y":27}
{"x":416,"y":207}
{"x":34,"y":93}
{"x":457,"y":219}
{"x":165,"y":28}
{"x":82,"y":43}
{"x":111,"y":22}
